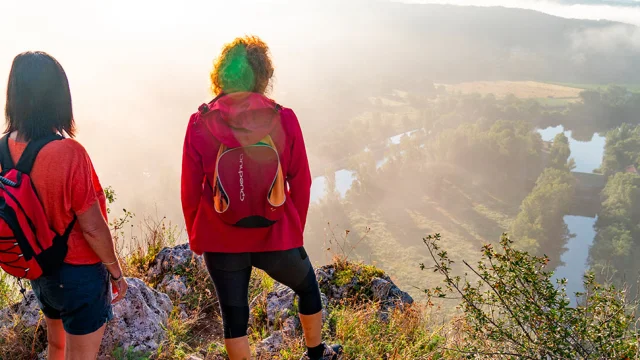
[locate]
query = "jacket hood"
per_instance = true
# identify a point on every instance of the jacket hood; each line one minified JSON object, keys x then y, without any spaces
{"x":240,"y":119}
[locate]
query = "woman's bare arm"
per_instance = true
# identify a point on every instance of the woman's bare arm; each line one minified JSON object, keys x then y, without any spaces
{"x":96,"y":232}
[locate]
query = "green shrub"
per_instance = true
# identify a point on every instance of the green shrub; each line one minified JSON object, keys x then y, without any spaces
{"x":512,"y":309}
{"x":128,"y":354}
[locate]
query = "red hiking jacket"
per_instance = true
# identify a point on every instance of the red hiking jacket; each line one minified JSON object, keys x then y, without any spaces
{"x":224,"y":122}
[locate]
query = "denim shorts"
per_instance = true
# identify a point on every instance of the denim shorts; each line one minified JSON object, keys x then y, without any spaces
{"x":79,"y":295}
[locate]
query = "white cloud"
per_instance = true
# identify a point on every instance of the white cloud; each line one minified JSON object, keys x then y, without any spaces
{"x":608,"y":39}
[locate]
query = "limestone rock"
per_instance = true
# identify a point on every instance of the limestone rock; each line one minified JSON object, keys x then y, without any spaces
{"x":27,"y":310}
{"x":139,"y":320}
{"x":174,"y":286}
{"x":270,"y":345}
{"x":279,"y":304}
{"x":138,"y":323}
{"x":389,"y":296}
{"x":169,"y":260}
{"x":386,"y":292}
{"x":281,"y":310}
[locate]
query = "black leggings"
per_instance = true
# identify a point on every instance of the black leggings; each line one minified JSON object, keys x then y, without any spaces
{"x":231,"y":274}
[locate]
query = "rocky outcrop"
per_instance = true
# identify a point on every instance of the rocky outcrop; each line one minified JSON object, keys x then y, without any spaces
{"x":173,"y":285}
{"x":139,"y":319}
{"x":170,"y":259}
{"x":168,"y":270}
{"x":372,"y":285}
{"x":139,"y":322}
{"x":282,"y":318}
{"x":386,"y":292}
{"x":271,"y":345}
{"x":27,"y":312}
{"x":281,"y":310}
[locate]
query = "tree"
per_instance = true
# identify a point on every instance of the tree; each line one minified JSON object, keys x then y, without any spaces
{"x":617,"y":243}
{"x":622,"y":149}
{"x":540,"y":223}
{"x":560,"y":152}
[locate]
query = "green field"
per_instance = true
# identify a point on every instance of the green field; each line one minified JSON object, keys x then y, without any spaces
{"x":555,"y":102}
{"x":631,"y":87}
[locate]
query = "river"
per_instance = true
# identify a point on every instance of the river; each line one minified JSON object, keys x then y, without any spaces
{"x":344,"y":178}
{"x":587,"y":156}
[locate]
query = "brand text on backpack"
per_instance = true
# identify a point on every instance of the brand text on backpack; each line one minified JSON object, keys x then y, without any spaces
{"x":241,"y":173}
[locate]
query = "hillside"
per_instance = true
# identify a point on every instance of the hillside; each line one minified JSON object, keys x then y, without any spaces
{"x":171,"y":312}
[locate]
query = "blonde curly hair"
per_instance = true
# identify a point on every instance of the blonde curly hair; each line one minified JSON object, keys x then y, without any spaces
{"x":244,"y":65}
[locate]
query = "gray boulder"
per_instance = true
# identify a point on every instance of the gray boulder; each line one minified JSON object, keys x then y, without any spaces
{"x":27,"y":311}
{"x":389,"y":296}
{"x":271,"y":345}
{"x":279,"y":305}
{"x":168,"y":268}
{"x":173,"y":285}
{"x":281,"y":312}
{"x":325,"y":277}
{"x":385,"y":291}
{"x":139,"y":322}
{"x":169,"y":260}
{"x":139,"y":319}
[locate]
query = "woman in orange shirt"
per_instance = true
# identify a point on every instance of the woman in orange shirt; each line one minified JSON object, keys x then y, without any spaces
{"x":75,"y":299}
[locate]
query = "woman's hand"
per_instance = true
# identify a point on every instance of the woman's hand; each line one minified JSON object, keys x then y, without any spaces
{"x":118,"y":283}
{"x":120,"y":287}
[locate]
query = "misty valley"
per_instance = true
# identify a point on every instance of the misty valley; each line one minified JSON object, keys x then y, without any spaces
{"x":475,"y":175}
{"x":472,"y":167}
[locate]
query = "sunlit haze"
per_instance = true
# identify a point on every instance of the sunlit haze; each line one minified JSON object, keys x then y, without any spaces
{"x":484,"y":87}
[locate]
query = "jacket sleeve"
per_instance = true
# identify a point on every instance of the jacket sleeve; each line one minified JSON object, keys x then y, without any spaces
{"x":192,"y":179}
{"x":299,"y":175}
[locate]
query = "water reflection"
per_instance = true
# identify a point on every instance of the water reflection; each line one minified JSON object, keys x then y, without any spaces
{"x":577,"y":254}
{"x":587,"y":154}
{"x":344,"y":179}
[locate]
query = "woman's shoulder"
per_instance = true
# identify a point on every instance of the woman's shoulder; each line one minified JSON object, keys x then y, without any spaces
{"x":289,"y":121}
{"x":65,"y":148}
{"x":287,"y":114}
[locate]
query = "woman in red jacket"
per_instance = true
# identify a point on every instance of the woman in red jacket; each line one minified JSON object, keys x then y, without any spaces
{"x":245,"y":194}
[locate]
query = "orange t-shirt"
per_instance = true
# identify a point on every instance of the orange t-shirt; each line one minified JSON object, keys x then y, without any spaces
{"x":67,"y":184}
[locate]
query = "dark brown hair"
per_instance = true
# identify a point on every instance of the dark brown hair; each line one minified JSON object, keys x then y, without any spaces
{"x":38,"y":97}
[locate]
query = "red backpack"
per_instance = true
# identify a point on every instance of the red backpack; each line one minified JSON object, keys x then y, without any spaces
{"x":249,"y":188}
{"x":29,"y":248}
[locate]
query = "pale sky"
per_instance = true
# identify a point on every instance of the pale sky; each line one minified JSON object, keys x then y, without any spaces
{"x":627,"y":11}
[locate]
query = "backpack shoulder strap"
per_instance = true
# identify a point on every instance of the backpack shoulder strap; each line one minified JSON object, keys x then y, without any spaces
{"x":25,"y":164}
{"x":5,"y":155}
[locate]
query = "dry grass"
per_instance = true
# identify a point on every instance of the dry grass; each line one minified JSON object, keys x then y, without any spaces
{"x":194,"y":326}
{"x":405,"y":335}
{"x":520,"y":89}
{"x":21,"y":342}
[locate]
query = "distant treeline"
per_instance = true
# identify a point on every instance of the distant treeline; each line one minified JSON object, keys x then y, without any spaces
{"x":595,"y":112}
{"x":616,"y":248}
